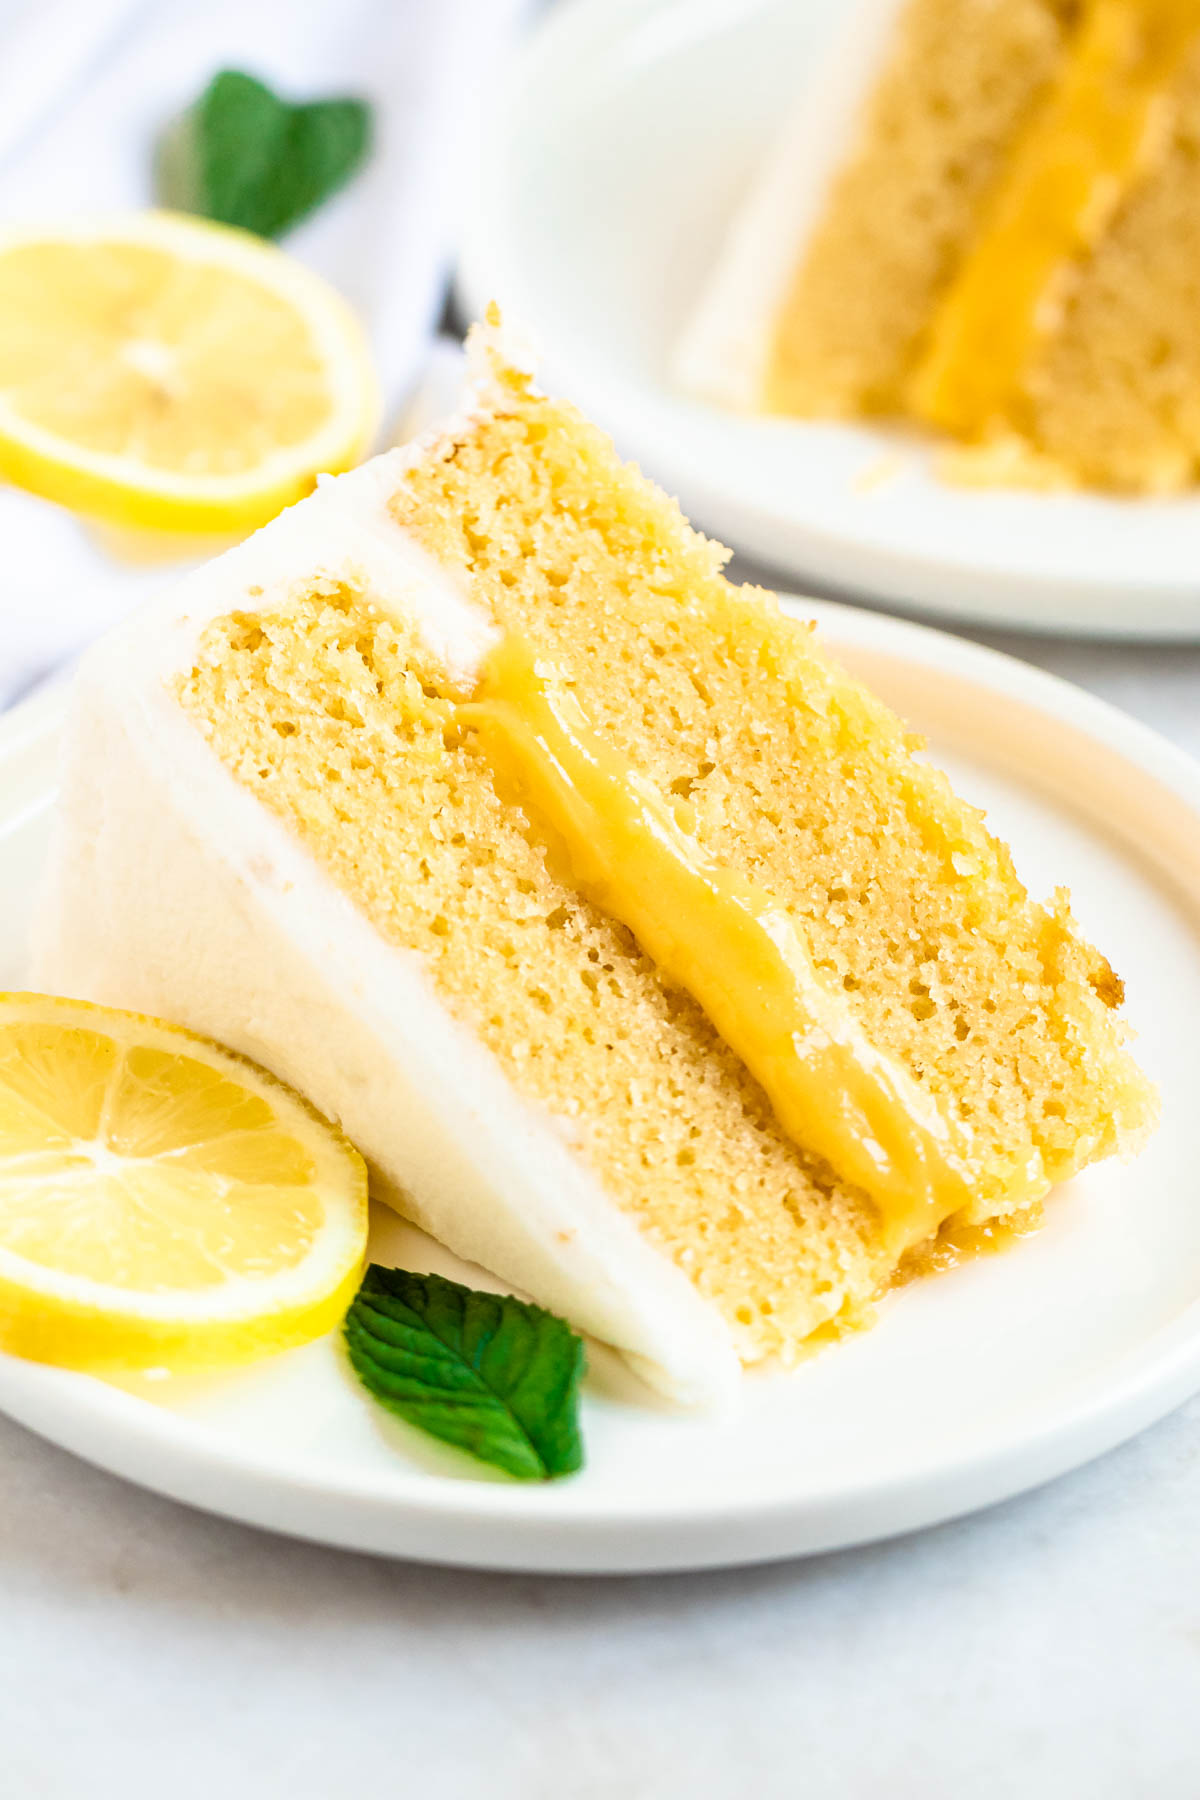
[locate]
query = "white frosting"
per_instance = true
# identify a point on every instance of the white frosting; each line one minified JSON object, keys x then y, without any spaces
{"x":174,"y":892}
{"x":722,"y":353}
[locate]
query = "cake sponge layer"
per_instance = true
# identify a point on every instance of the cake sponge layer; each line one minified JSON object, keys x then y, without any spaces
{"x":324,"y":710}
{"x":1114,"y":396}
{"x":333,"y":711}
{"x":957,"y":82}
{"x":793,"y":775}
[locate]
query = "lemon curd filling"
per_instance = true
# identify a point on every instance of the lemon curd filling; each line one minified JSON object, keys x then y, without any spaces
{"x":1081,"y":151}
{"x":724,"y":939}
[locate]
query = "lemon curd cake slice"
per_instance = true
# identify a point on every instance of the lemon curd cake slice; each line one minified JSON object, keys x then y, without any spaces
{"x":621,"y":930}
{"x":985,"y":218}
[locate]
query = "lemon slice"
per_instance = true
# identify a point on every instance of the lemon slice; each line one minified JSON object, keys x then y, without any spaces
{"x":165,"y":372}
{"x":162,"y":1200}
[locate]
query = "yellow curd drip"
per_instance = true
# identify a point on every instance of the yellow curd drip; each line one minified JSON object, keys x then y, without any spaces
{"x":1078,"y":156}
{"x":725,"y":940}
{"x":956,"y":1243}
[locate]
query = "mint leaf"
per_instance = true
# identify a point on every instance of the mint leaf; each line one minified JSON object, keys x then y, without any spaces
{"x":247,"y":157}
{"x":494,"y":1375}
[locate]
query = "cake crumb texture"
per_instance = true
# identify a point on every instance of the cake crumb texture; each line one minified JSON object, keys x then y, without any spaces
{"x":336,"y":715}
{"x":1114,"y":396}
{"x":1107,"y":393}
{"x":958,"y":82}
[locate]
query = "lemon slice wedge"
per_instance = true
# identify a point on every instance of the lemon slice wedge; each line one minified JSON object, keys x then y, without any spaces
{"x":161,"y":371}
{"x":162,"y":1200}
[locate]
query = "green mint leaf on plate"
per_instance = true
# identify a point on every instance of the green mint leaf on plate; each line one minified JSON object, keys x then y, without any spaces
{"x":246,"y":157}
{"x":493,"y":1375}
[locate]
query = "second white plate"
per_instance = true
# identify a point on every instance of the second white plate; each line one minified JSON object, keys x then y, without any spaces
{"x":620,"y":148}
{"x":971,"y":1387}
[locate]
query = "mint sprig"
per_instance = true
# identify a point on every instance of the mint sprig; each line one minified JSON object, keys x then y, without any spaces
{"x":245,"y":156}
{"x":491,"y":1374}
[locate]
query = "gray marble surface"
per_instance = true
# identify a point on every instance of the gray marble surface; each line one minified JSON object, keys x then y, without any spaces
{"x":1048,"y":1647}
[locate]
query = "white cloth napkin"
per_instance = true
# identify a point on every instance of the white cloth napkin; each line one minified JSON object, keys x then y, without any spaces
{"x":85,"y":88}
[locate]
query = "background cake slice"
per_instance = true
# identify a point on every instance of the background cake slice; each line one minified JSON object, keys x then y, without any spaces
{"x":281,"y":826}
{"x":822,"y":293}
{"x":983,"y":219}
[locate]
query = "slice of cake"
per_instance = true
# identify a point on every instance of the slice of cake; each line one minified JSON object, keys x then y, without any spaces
{"x":986,"y":218}
{"x":616,"y":924}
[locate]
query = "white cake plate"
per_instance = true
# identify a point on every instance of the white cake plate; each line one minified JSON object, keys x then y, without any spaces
{"x":971,"y":1387}
{"x":623,"y":140}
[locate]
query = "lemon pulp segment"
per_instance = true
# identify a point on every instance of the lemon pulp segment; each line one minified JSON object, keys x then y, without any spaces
{"x":161,"y":1198}
{"x":168,"y":373}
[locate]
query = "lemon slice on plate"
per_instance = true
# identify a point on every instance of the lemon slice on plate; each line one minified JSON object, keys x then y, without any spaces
{"x":161,"y":371}
{"x":162,"y":1200}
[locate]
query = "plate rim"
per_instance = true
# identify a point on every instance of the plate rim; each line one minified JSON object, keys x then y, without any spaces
{"x":440,"y":1518}
{"x":851,"y":565}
